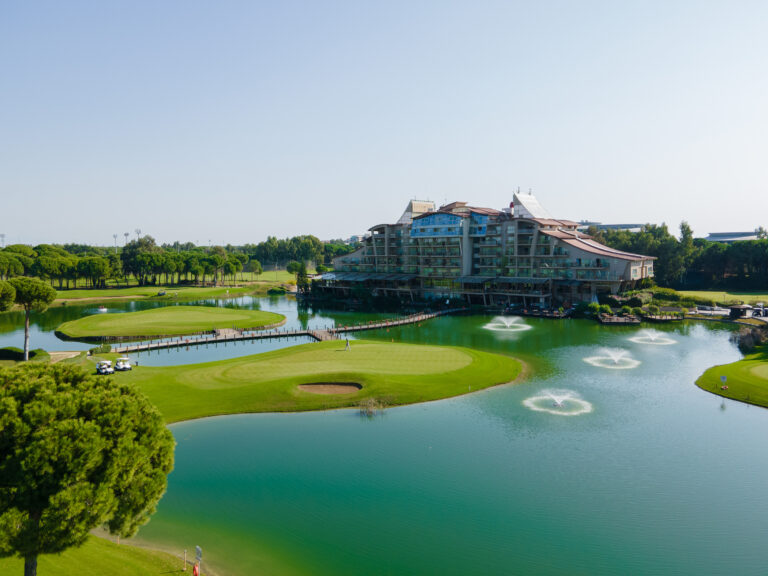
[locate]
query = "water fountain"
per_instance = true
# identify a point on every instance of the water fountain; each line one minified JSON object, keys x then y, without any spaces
{"x":559,"y":403}
{"x":652,"y":337}
{"x":507,"y":324}
{"x":613,"y":359}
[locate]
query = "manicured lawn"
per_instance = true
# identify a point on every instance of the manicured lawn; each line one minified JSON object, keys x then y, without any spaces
{"x":167,"y":321}
{"x":98,"y":557}
{"x":728,"y":297}
{"x":747,"y":379}
{"x":268,"y":382}
{"x":138,"y":292}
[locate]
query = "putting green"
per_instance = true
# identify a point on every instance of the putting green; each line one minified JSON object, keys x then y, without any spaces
{"x":761,"y":371}
{"x":167,"y":321}
{"x":746,"y":380}
{"x":269,"y":382}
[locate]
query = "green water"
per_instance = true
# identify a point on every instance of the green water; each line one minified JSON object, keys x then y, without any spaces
{"x":659,"y":478}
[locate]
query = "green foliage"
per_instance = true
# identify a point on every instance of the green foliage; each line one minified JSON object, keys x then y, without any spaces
{"x":102,"y":349}
{"x":695,"y":262}
{"x":7,"y":296}
{"x":593,"y":308}
{"x":13,"y":354}
{"x":605,"y":309}
{"x":653,"y":310}
{"x":31,"y":294}
{"x":637,"y":311}
{"x":293,"y":267}
{"x":302,"y":280}
{"x":626,"y":310}
{"x":75,"y":452}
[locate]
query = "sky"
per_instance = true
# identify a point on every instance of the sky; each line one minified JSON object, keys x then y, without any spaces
{"x":227,"y":122}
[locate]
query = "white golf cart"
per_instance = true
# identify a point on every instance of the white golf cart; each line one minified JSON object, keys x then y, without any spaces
{"x":104,"y":367}
{"x":123,"y":363}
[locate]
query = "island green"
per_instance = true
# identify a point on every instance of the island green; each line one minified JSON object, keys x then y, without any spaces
{"x":745,"y":380}
{"x":167,"y":321}
{"x":391,"y":373}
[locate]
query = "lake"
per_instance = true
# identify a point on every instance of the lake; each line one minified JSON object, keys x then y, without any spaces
{"x":606,"y":460}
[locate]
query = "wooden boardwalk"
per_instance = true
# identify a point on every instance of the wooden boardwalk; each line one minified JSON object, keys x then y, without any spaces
{"x":320,"y":334}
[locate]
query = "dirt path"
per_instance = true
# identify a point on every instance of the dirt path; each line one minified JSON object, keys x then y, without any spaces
{"x":59,"y":356}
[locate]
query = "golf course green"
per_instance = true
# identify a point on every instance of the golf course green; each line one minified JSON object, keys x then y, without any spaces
{"x":167,"y":321}
{"x":746,"y":380}
{"x":329,"y":376}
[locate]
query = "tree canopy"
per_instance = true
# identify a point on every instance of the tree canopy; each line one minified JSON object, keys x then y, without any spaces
{"x":76,"y":452}
{"x":7,"y":296}
{"x":31,"y":294}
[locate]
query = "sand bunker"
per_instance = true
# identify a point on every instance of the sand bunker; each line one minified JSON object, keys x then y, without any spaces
{"x":331,"y":387}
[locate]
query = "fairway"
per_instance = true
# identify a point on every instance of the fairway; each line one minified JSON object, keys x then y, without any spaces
{"x":98,"y":557}
{"x":269,"y":382}
{"x":728,"y":297}
{"x":747,"y":379}
{"x":153,"y":292}
{"x":167,"y":321}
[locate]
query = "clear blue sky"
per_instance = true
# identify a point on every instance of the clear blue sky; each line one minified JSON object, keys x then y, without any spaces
{"x":230,"y":121}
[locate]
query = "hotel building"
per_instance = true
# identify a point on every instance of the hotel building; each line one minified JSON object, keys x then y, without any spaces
{"x":516,"y":256}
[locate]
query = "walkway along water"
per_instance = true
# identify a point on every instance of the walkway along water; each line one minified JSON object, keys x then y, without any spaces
{"x":230,"y":335}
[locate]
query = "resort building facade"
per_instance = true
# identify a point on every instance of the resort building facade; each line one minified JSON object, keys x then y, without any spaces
{"x":516,"y":256}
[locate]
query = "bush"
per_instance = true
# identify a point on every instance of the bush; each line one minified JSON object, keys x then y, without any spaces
{"x":637,"y":311}
{"x":322,"y":268}
{"x":103,"y":349}
{"x":605,"y":309}
{"x":17,"y":354}
{"x":593,"y":309}
{"x":653,"y":310}
{"x":747,"y":339}
{"x":626,"y":310}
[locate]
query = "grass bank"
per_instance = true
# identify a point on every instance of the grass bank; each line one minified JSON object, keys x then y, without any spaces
{"x":11,"y":356}
{"x":724,"y":298}
{"x":98,"y":557}
{"x":167,"y":321}
{"x":747,"y":379}
{"x":392,"y":373}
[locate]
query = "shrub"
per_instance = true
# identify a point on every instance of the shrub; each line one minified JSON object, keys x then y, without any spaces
{"x":17,"y":354}
{"x":653,"y":310}
{"x":605,"y":309}
{"x":103,"y":349}
{"x":637,"y":311}
{"x":747,"y":338}
{"x":593,"y":309}
{"x":626,"y":310}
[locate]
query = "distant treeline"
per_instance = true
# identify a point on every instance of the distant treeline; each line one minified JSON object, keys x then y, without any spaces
{"x":146,"y":262}
{"x":696,"y":263}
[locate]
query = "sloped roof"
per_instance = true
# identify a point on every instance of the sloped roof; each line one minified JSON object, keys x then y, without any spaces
{"x":414,"y":209}
{"x":527,"y":206}
{"x":589,"y":245}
